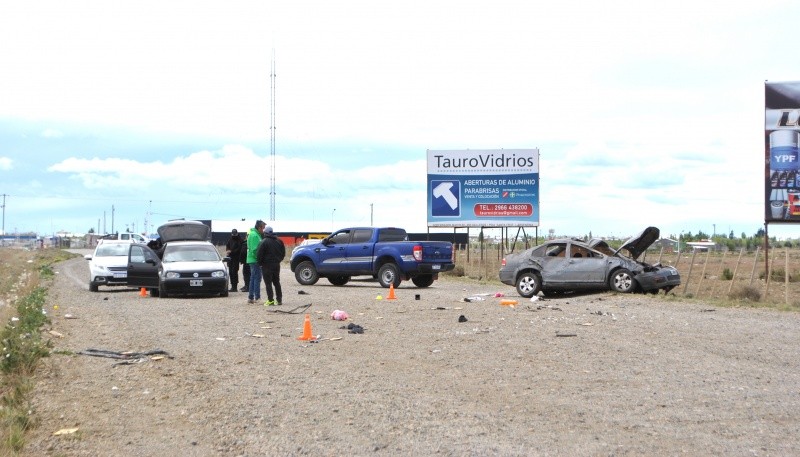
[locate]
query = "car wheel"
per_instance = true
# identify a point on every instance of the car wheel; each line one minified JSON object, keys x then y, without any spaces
{"x":529,"y":284}
{"x":162,"y":292}
{"x":306,"y":274}
{"x":93,"y":287}
{"x":388,"y":275}
{"x":621,"y":281}
{"x":422,"y":280}
{"x":224,"y":293}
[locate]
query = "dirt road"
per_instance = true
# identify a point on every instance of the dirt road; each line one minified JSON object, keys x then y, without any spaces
{"x":599,"y":374}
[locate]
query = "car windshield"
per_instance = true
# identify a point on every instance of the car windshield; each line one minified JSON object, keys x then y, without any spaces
{"x":190,"y":254}
{"x":111,"y":250}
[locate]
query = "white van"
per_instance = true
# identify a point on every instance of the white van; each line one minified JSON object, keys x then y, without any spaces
{"x":132,"y":237}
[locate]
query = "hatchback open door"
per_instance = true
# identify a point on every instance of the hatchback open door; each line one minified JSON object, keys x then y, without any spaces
{"x":143,"y":264}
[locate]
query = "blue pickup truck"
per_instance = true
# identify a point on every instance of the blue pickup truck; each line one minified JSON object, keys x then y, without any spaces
{"x":384,"y":253}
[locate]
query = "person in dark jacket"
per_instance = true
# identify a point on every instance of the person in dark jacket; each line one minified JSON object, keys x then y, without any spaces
{"x":233,"y":250}
{"x":269,"y":255}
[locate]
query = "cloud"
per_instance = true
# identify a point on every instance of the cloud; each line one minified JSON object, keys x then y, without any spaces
{"x":52,"y":133}
{"x":6,"y":163}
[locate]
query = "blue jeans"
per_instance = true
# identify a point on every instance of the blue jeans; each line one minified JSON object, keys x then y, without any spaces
{"x":254,"y":288}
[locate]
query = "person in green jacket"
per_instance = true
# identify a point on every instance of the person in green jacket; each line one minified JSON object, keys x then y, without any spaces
{"x":253,"y":240}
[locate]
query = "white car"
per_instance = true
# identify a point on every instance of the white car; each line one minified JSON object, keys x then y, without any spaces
{"x":186,"y":264}
{"x":108,"y":265}
{"x":125,"y":236}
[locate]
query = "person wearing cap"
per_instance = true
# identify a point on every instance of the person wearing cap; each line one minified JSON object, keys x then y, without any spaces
{"x":253,"y":239}
{"x":269,"y":255}
{"x":233,"y":250}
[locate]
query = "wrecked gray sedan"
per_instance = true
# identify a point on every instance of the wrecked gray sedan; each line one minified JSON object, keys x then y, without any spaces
{"x":574,"y":265}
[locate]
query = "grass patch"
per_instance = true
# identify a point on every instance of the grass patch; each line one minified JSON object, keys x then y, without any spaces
{"x":21,"y":342}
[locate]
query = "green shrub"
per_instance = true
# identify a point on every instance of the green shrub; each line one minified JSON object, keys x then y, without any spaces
{"x":727,"y":274}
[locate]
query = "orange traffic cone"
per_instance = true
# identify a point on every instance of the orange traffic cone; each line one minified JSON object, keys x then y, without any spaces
{"x":142,"y":292}
{"x":307,"y":336}
{"x":391,"y":293}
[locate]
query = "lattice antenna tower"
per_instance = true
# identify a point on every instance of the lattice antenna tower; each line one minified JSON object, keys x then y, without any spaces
{"x":272,"y":140}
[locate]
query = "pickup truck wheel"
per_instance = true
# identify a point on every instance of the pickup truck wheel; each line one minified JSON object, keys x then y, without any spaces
{"x":339,"y":280}
{"x":388,"y":275}
{"x":306,"y":274}
{"x":422,"y":280}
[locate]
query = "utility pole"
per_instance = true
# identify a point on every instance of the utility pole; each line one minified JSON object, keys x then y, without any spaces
{"x":272,"y":140}
{"x":4,"y":214}
{"x":112,"y":218}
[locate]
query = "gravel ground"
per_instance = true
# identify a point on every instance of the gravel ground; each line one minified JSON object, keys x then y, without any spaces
{"x":598,"y":374}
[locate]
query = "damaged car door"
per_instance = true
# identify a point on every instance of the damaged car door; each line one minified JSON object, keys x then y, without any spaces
{"x":583,"y":268}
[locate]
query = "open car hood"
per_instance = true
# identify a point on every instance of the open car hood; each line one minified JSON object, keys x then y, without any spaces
{"x":184,"y":231}
{"x":636,"y":245}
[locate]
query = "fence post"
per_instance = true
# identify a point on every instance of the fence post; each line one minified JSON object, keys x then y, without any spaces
{"x":691,"y":265}
{"x":786,"y":278}
{"x":735,"y":269}
{"x":755,"y":261}
{"x":703,"y":274}
{"x":721,"y":269}
{"x":769,"y":272}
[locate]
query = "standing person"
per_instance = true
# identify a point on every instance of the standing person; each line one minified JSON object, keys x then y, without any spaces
{"x":233,"y":249}
{"x":253,"y":239}
{"x":269,"y":255}
{"x":245,"y":267}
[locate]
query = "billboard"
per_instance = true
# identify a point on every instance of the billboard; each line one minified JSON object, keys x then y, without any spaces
{"x":782,"y":159}
{"x":483,"y":188}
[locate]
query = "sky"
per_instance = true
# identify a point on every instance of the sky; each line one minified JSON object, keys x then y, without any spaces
{"x":123,"y":115}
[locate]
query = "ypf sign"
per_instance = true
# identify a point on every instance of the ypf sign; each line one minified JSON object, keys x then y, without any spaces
{"x":782,"y":152}
{"x":483,"y":188}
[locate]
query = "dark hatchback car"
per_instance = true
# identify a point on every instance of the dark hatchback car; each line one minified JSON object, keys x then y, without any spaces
{"x":186,"y":263}
{"x":574,"y":265}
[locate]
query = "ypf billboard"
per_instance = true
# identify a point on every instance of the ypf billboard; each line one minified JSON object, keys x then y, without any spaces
{"x":781,"y":140}
{"x":483,"y":188}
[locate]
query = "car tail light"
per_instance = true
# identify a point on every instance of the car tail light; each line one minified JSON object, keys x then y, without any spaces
{"x":418,"y":253}
{"x":503,"y":262}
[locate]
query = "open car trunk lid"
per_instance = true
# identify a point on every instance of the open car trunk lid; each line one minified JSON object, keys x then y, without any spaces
{"x":184,"y":231}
